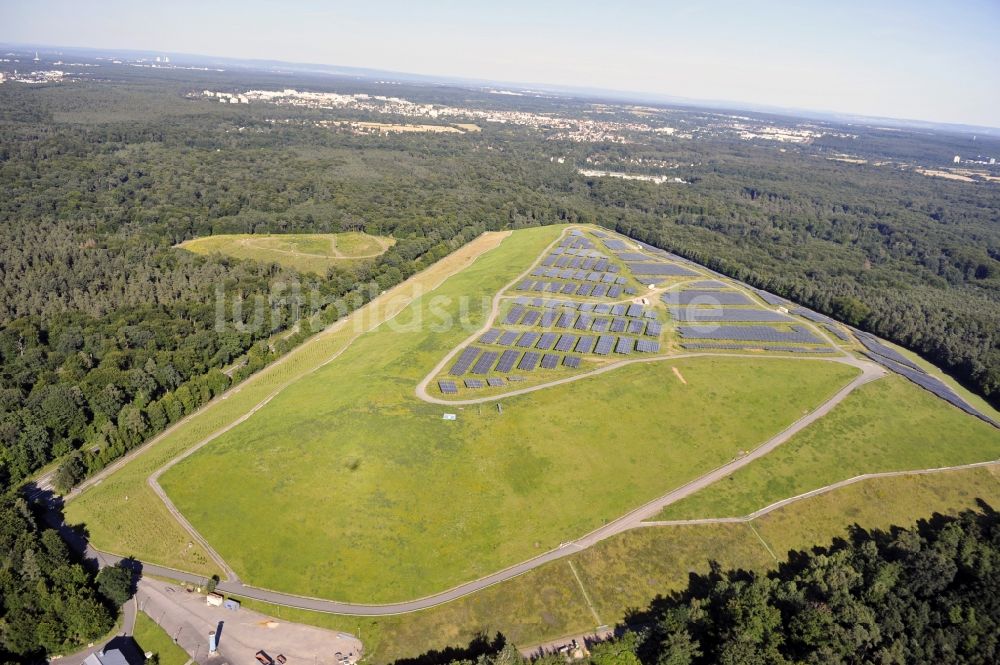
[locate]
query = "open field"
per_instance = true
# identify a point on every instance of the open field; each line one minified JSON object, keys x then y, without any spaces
{"x":150,"y":637}
{"x":121,"y":512}
{"x":629,"y":570}
{"x":402,"y":504}
{"x":302,"y":251}
{"x":887,"y":425}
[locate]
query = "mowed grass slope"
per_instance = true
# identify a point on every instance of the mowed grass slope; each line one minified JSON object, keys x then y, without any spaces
{"x":628,"y":571}
{"x":888,"y":425}
{"x":122,"y":514}
{"x":150,"y":637}
{"x":301,"y":251}
{"x":347,"y":486}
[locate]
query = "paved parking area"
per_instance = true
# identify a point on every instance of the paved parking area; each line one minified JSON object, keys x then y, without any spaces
{"x":187,"y":618}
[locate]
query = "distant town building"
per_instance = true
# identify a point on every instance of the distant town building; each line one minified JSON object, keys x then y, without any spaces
{"x":957,"y":160}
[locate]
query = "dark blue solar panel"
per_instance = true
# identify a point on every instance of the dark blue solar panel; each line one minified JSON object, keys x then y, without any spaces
{"x":565,"y":320}
{"x":604,"y":345}
{"x":586,"y":344}
{"x":485,"y":362}
{"x":465,"y":359}
{"x":550,"y":361}
{"x":530,"y":317}
{"x":490,"y":336}
{"x":585,"y":290}
{"x":527,"y":340}
{"x":697,"y":314}
{"x":664,"y":269}
{"x":614,"y":292}
{"x":507,"y":338}
{"x":546,"y":341}
{"x":600,"y":291}
{"x":634,"y":309}
{"x":528,"y":361}
{"x":474,"y":383}
{"x":618,"y":325}
{"x":566,"y":343}
{"x":583,"y":323}
{"x":515,"y":313}
{"x":448,"y":387}
{"x":495,"y":381}
{"x":635,"y":326}
{"x":624,"y":345}
{"x":708,"y":298}
{"x":647,"y":346}
{"x":571,"y":361}
{"x":507,"y":360}
{"x":600,"y":325}
{"x":653,"y":328}
{"x":548,"y":318}
{"x":749,"y":333}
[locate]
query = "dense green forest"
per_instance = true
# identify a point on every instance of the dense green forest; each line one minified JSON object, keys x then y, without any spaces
{"x":929,"y":594}
{"x":48,"y":601}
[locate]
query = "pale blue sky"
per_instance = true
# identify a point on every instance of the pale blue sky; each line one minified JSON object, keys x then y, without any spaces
{"x":914,"y":59}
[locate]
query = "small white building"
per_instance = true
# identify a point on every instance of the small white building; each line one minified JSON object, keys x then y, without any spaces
{"x":957,"y":160}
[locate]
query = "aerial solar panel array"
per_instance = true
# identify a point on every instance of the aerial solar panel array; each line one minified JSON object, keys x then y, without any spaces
{"x":706,"y":298}
{"x":708,"y":284}
{"x":624,"y":345}
{"x":573,"y":362}
{"x":702,"y":346}
{"x":490,"y":336}
{"x":485,"y":362}
{"x":464,"y":361}
{"x":705,"y":314}
{"x":507,"y":360}
{"x":586,"y":344}
{"x":929,"y":383}
{"x":647,"y":346}
{"x":604,"y":345}
{"x":448,"y":387}
{"x":528,"y":340}
{"x":528,"y":361}
{"x":837,"y":332}
{"x":514,"y":315}
{"x":546,"y":341}
{"x":660,"y":270}
{"x":798,"y":334}
{"x":475,"y":383}
{"x":550,"y":361}
{"x":878,"y":348}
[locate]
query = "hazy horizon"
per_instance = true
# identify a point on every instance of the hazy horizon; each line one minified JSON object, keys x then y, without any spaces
{"x":908,"y":61}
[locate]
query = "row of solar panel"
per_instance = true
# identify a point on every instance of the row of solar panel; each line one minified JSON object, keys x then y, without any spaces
{"x":606,"y":277}
{"x":705,"y":314}
{"x":706,"y":298}
{"x":698,"y":346}
{"x":578,"y":242}
{"x":584,"y":321}
{"x":661,"y":269}
{"x":576,"y":262}
{"x":569,"y":251}
{"x":484,"y":361}
{"x":573,"y":288}
{"x":929,"y":383}
{"x":798,"y":334}
{"x":875,"y":346}
{"x":619,"y":309}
